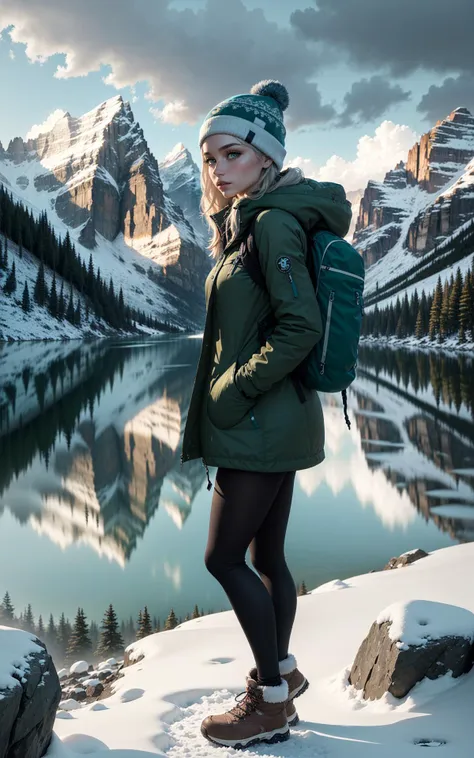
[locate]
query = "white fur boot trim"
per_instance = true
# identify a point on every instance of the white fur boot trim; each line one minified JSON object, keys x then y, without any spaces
{"x":288,"y":664}
{"x":277,"y":694}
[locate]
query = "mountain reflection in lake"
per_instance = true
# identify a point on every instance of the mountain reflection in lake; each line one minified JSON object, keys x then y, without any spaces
{"x":95,"y":507}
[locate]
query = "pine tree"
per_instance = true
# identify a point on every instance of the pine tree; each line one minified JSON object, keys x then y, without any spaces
{"x":302,"y":590}
{"x":40,"y":629}
{"x":144,"y":624}
{"x":61,"y":303}
{"x":444,"y":314}
{"x":51,"y":631}
{"x":139,"y":625}
{"x":403,"y":318}
{"x":454,"y":301}
{"x":435,"y":311}
{"x":53,"y":299}
{"x":7,"y":611}
{"x":111,"y":641}
{"x":422,"y":319}
{"x":28,"y":619}
{"x":41,"y":290}
{"x":195,"y":614}
{"x":465,"y":308}
{"x":171,"y":622}
{"x":62,"y":636}
{"x":79,"y":643}
{"x":77,"y":313}
{"x":10,"y":284}
{"x":70,"y":308}
{"x":25,"y":303}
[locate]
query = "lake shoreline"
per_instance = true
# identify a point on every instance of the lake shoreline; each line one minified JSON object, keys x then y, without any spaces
{"x":425,"y":344}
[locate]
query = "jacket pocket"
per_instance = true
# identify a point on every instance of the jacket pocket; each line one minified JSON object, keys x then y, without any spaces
{"x":226,"y":406}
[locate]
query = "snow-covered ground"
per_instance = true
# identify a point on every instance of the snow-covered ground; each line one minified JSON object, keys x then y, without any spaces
{"x":197,"y":669}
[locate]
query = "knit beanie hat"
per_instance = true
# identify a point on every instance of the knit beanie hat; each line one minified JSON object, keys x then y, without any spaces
{"x":256,"y":118}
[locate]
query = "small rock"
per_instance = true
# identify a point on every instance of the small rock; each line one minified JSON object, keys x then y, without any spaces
{"x":130,"y":660}
{"x":78,"y":693}
{"x":94,"y":690}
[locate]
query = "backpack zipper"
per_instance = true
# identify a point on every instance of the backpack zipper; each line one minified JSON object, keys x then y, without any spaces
{"x":340,"y":271}
{"x":332,"y":295}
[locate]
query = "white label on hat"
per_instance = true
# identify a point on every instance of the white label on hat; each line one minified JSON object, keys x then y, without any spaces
{"x":259,"y":122}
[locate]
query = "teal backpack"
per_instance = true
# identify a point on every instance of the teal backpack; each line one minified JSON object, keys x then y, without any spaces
{"x":337,"y":272}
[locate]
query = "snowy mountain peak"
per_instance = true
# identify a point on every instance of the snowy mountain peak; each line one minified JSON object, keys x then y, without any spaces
{"x":182,"y":182}
{"x":178,"y":155}
{"x":421,"y":202}
{"x":96,"y":175}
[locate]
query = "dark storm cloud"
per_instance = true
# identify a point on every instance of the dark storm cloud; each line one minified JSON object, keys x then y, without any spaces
{"x":401,"y":35}
{"x":190,"y":58}
{"x":368,"y":99}
{"x":441,"y":99}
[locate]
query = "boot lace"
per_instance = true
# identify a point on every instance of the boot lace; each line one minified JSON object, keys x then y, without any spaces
{"x":248,"y":704}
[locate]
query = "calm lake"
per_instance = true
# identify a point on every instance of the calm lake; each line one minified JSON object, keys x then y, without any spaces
{"x":96,"y":509}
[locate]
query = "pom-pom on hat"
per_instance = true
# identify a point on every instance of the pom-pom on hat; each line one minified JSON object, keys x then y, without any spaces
{"x":256,"y":117}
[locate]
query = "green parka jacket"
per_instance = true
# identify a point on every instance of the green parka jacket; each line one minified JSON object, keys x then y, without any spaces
{"x":245,"y":412}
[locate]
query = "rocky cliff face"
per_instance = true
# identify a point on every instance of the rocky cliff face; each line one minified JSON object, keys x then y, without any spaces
{"x":421,"y":202}
{"x":102,"y":181}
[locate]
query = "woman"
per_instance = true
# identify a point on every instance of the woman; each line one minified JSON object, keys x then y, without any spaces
{"x":246,"y":416}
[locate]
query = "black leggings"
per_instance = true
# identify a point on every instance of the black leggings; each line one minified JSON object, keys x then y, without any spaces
{"x":251,"y":509}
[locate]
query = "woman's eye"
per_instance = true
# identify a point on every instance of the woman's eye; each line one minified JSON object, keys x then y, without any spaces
{"x":233,"y":152}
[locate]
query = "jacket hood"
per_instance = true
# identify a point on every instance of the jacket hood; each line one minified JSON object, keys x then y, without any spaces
{"x":310,"y":202}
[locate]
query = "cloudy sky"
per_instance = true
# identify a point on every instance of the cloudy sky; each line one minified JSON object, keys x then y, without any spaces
{"x":365,"y":77}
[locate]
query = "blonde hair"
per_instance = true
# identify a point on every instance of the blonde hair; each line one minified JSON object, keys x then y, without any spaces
{"x":213,"y":201}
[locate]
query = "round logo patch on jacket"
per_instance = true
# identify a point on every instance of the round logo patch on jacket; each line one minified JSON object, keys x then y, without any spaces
{"x":284,"y":264}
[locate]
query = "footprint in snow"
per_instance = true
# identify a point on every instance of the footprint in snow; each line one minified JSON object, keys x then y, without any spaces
{"x":188,"y":742}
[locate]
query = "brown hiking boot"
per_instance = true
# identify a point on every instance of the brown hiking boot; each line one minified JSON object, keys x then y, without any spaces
{"x":297,"y":684}
{"x":259,"y":717}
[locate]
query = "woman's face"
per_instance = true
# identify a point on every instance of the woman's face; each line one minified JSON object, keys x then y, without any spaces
{"x":232,"y":167}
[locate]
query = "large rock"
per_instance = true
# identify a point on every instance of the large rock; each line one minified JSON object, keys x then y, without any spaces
{"x":411,"y":641}
{"x":405,"y":559}
{"x":29,"y":695}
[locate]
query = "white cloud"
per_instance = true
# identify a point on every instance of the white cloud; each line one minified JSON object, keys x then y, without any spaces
{"x":173,"y":113}
{"x":11,"y":55}
{"x":47,"y":125}
{"x":376,"y":155}
{"x":187,"y":57}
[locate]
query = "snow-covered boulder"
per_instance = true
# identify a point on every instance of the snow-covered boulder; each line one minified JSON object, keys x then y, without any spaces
{"x":69,"y":705}
{"x":79,"y":667}
{"x":29,"y":694}
{"x":405,"y":559}
{"x":410,"y":641}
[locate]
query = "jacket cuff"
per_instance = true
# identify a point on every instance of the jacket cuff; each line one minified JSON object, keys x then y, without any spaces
{"x":244,"y":385}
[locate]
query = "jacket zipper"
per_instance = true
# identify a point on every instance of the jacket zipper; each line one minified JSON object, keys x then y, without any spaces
{"x":293,"y":285}
{"x":326,"y":333}
{"x":340,"y":271}
{"x":236,"y":263}
{"x":254,"y":420}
